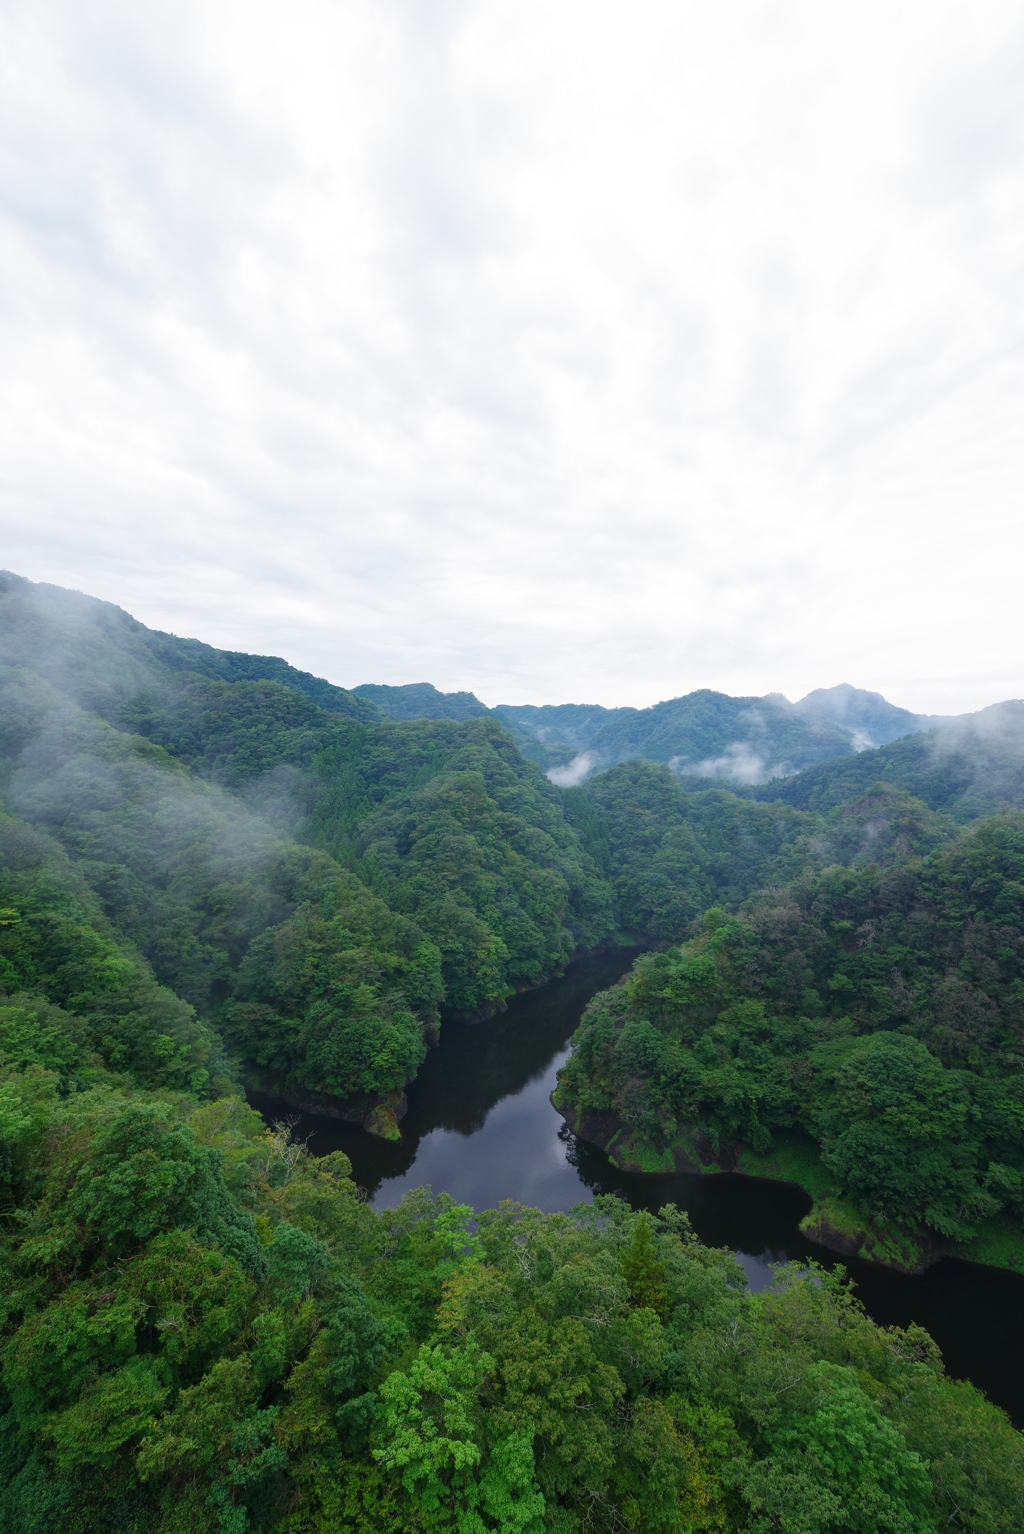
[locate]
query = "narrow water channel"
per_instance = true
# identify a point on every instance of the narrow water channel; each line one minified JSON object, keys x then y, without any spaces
{"x":480,"y":1127}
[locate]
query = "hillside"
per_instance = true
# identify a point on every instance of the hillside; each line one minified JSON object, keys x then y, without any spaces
{"x":968,"y":767}
{"x":318,"y":885}
{"x":703,"y":734}
{"x":99,"y":656}
{"x":215,"y":869}
{"x":873,"y":1014}
{"x":872,"y":720}
{"x":421,"y":700}
{"x":323,"y":886}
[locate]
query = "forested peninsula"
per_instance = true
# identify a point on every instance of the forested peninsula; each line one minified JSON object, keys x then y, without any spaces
{"x":219,"y":871}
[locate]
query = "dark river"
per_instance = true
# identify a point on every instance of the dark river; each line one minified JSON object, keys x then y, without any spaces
{"x":481,"y":1128}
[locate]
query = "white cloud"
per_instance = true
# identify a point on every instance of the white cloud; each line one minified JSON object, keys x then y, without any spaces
{"x":579,"y":352}
{"x":739,"y":763}
{"x":573,"y":772}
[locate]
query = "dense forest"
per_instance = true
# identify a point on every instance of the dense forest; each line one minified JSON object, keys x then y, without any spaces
{"x":877,"y":1010}
{"x":217,"y":870}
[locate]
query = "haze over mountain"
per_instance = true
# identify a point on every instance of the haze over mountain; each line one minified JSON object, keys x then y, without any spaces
{"x":702,"y":734}
{"x":105,"y":660}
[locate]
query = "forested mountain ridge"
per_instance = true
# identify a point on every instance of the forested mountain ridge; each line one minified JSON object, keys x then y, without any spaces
{"x":968,"y":767}
{"x":204,"y":1330}
{"x":705,"y":733}
{"x":877,"y":1010}
{"x":702,"y":734}
{"x":421,"y":700}
{"x":181,"y":794}
{"x":98,"y":655}
{"x":873,"y":720}
{"x":390,"y":869}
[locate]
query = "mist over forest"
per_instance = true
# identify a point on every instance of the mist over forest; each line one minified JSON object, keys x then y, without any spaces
{"x":221,"y":874}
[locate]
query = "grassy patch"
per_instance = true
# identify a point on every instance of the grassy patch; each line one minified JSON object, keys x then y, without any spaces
{"x":833,"y":1217}
{"x":999,"y":1243}
{"x":839,"y":1225}
{"x":793,"y":1158}
{"x":630,"y":1154}
{"x":686,"y":1140}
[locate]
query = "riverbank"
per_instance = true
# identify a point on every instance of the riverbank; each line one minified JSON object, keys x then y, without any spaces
{"x":379,"y":1115}
{"x":832,"y":1221}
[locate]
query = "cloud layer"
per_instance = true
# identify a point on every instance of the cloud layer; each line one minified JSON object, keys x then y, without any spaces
{"x":591,"y":352}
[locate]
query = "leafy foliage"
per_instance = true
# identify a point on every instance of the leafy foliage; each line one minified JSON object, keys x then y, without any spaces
{"x":204,"y":1329}
{"x":879,"y":1010}
{"x":971,"y":767}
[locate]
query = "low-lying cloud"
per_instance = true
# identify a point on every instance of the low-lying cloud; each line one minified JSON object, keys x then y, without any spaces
{"x":574,"y":772}
{"x":739,"y":763}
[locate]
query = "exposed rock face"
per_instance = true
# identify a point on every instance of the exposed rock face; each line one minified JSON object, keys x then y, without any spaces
{"x":910,"y":1252}
{"x":378,"y":1115}
{"x":828,"y":1224}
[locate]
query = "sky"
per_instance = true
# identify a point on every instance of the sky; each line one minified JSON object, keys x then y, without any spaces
{"x":588,"y":352}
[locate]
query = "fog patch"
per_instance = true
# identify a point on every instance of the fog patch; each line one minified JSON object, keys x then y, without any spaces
{"x":739,"y":764}
{"x":573,"y":773}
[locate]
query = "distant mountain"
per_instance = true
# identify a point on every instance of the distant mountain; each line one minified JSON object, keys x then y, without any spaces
{"x":100,"y":656}
{"x":871,"y":720}
{"x":704,"y":734}
{"x":421,"y":700}
{"x":970,"y":766}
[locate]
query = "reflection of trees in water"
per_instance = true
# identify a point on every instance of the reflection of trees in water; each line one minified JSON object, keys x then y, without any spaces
{"x":478,"y":1065}
{"x":373,"y":1160}
{"x":475,"y":1067}
{"x":595,"y":1171}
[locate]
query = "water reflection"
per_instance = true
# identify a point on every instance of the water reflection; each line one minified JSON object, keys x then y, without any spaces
{"x":480,"y":1127}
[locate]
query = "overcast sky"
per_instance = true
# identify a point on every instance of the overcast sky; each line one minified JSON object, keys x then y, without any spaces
{"x":565,"y":352}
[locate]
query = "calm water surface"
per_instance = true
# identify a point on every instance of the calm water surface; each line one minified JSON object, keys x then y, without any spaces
{"x":481,"y":1128}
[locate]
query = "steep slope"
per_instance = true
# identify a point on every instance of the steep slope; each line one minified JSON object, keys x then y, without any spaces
{"x":973,"y":766}
{"x":192,"y":806}
{"x":867,"y":715}
{"x":421,"y":700}
{"x":705,"y":733}
{"x":877,"y":1011}
{"x":100,"y":656}
{"x":670,"y":851}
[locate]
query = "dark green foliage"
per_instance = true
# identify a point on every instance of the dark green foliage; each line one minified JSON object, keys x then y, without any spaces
{"x":704,"y":732}
{"x":446,"y":823}
{"x":670,"y":851}
{"x":335,"y":998}
{"x":879,"y":1009}
{"x":123,"y":1172}
{"x":237,"y":733}
{"x":897,"y":1132}
{"x":478,"y":851}
{"x":973,"y":766}
{"x":643,"y":1272}
{"x":165,"y":1371}
{"x":88,"y":996}
{"x":421,"y":700}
